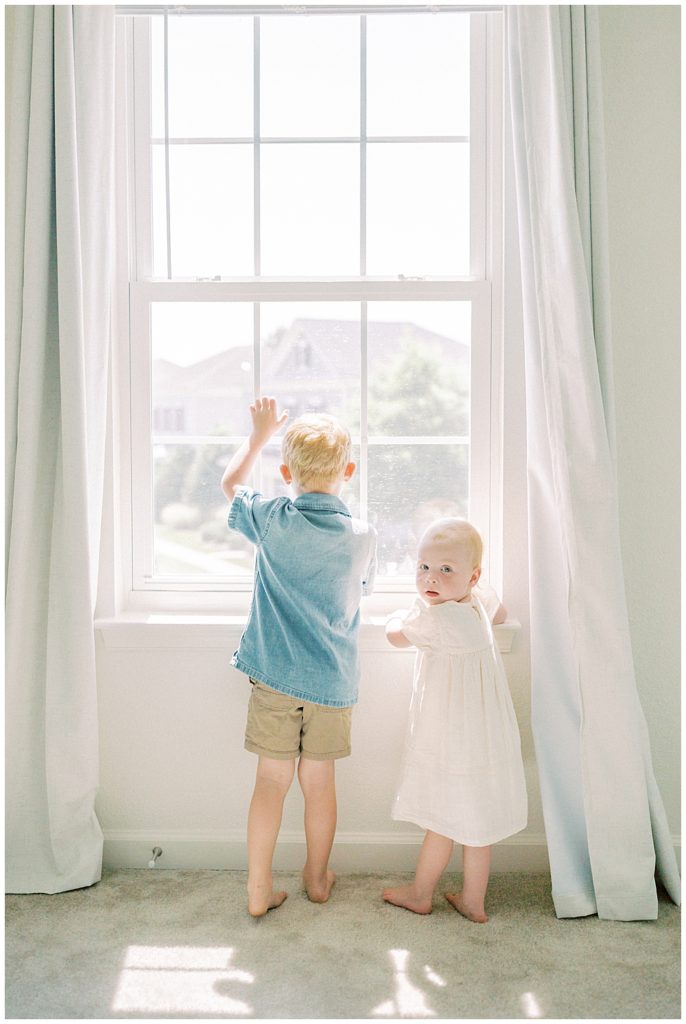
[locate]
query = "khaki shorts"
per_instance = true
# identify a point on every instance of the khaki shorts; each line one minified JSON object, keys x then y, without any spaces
{"x":286,"y":727}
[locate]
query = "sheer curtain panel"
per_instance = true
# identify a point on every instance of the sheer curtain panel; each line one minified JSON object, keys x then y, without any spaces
{"x":59,"y":263}
{"x":605,"y":822}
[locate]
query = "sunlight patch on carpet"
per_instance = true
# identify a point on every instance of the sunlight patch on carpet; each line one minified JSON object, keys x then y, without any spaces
{"x":408,"y":1000}
{"x":181,"y":979}
{"x":434,"y":978}
{"x":530,"y":1006}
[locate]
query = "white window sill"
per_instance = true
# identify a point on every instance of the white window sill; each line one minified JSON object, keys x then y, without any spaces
{"x":222,"y":632}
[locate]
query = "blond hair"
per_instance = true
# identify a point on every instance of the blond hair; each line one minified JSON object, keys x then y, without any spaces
{"x":316,"y":449}
{"x":451,"y":530}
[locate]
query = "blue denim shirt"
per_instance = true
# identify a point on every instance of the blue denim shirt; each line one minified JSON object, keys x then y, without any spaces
{"x":313,"y":564}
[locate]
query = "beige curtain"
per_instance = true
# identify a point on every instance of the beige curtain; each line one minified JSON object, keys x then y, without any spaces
{"x":605,"y":822}
{"x":59,"y":263}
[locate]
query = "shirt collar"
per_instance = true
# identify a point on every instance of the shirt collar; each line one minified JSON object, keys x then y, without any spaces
{"x":317,"y":502}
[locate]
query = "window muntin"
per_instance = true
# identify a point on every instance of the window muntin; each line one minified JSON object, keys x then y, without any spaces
{"x":184,"y":188}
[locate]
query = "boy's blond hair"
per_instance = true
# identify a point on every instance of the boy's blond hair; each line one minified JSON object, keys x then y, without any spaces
{"x":452,"y":530}
{"x":316,"y":448}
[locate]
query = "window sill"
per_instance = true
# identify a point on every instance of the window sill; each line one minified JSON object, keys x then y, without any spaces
{"x":222,"y":632}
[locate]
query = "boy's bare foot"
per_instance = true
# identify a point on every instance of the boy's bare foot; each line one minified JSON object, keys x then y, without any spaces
{"x":471,"y":911}
{"x":318,"y":890}
{"x":405,"y":896}
{"x":260,"y":901}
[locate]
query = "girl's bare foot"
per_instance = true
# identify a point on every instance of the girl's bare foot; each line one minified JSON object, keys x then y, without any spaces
{"x":405,"y":896}
{"x":261,"y":899}
{"x":319,"y":890}
{"x":471,"y":911}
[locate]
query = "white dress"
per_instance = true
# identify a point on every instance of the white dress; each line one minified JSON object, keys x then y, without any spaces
{"x":462,"y":773}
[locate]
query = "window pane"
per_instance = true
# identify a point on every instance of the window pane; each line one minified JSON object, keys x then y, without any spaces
{"x":202,"y":368}
{"x":310,"y":209}
{"x":191,"y":533}
{"x":211,"y":210}
{"x":418,"y":74}
{"x":418,"y":209}
{"x":409,"y":487}
{"x":310,"y":76}
{"x":418,"y":358}
{"x":210,"y":76}
{"x":310,"y":358}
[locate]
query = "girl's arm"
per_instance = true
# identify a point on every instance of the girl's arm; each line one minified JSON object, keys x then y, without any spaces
{"x":490,"y":600}
{"x":500,"y":615}
{"x":394,"y":632}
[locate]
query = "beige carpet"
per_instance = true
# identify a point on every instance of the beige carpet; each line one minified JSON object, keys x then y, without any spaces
{"x":180,"y":944}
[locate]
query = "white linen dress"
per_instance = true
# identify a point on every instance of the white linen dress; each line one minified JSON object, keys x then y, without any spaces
{"x":462,"y":774}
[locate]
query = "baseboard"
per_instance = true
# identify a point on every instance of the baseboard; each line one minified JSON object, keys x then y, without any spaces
{"x":352,"y":852}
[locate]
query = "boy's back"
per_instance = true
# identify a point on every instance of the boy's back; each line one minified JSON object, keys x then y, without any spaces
{"x":313,"y":563}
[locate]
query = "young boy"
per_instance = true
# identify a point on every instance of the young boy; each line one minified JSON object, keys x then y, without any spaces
{"x":299,"y":648}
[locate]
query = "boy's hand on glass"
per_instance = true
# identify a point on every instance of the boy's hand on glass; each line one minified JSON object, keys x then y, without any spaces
{"x":265,"y":419}
{"x":265,"y":422}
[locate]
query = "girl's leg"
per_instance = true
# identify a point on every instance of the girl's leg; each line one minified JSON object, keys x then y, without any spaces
{"x":318,"y":783}
{"x":433,"y":860}
{"x":264,"y":820}
{"x":476,"y":869}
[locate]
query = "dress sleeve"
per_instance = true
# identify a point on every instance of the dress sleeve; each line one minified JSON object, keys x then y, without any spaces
{"x":251,"y":514}
{"x":421,"y":627}
{"x":488,"y":597}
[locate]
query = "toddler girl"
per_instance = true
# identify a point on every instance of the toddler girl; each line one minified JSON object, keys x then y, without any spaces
{"x":462,"y":776}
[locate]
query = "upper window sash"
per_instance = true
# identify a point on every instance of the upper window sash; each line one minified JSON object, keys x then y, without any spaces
{"x":141,"y":226}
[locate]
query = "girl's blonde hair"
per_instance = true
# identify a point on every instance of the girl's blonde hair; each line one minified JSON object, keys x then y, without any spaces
{"x":452,"y":530}
{"x":316,"y":449}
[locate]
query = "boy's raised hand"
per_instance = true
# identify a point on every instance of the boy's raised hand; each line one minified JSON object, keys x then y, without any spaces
{"x":265,"y":419}
{"x":265,"y":422}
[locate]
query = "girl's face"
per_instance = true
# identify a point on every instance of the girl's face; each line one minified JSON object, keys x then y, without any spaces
{"x":445,"y":572}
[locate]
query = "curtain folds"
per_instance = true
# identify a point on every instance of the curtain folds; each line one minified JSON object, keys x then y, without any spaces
{"x":580,"y":55}
{"x":605,"y":821}
{"x":60,"y":244}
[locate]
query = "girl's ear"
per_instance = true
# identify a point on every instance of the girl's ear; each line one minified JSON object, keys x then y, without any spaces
{"x":475,"y":577}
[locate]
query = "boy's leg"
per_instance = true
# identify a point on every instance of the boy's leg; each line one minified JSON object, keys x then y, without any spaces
{"x":476,"y":867}
{"x":433,"y":860}
{"x":318,"y":782}
{"x":264,"y":820}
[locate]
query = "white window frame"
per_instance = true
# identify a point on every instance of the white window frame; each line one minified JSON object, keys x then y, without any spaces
{"x":137,"y":590}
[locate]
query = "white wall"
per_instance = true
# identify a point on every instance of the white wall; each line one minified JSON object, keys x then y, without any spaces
{"x":641,"y":83}
{"x":174,"y":772}
{"x":172,"y":718}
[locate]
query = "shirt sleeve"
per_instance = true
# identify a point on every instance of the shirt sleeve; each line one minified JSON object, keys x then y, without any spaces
{"x":421,"y":628}
{"x":250,"y":513}
{"x":370,"y":577}
{"x":488,"y":597}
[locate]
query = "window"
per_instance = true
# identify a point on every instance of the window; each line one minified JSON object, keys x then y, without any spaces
{"x":312,"y":211}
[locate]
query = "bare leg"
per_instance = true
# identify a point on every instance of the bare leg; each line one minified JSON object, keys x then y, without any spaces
{"x":264,"y":820}
{"x":318,"y":782}
{"x":433,"y":860}
{"x":476,"y":867}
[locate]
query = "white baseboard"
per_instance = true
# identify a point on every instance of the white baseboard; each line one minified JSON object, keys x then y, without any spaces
{"x":353,"y":851}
